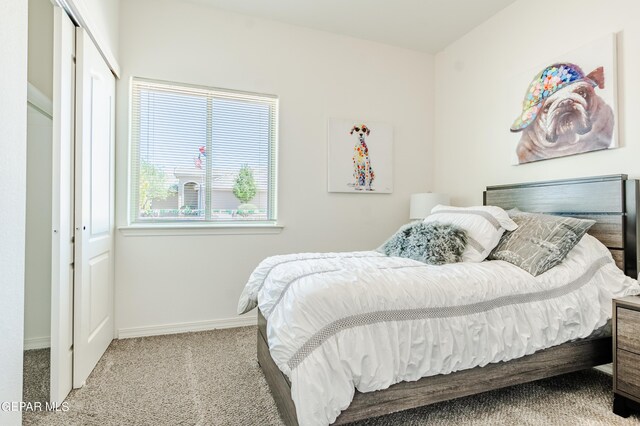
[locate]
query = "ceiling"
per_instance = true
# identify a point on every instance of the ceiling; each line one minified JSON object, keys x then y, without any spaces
{"x":425,"y":25}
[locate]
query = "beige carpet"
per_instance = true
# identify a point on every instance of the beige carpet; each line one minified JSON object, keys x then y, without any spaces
{"x":212,"y":378}
{"x":35,"y":386}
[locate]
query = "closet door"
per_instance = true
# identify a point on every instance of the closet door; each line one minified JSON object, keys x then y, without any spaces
{"x":64,"y":41}
{"x":94,"y":284}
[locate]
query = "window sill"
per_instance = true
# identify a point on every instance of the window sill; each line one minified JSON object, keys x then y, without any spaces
{"x":173,"y":229}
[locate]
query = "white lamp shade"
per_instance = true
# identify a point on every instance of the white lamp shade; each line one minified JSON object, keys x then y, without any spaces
{"x":421,"y":204}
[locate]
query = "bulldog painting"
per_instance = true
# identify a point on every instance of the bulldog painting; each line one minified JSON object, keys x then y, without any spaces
{"x":563,"y":114}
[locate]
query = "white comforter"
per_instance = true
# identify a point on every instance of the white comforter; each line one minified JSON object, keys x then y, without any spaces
{"x":339,"y":320}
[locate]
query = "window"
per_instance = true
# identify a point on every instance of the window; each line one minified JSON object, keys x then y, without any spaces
{"x":201,"y":154}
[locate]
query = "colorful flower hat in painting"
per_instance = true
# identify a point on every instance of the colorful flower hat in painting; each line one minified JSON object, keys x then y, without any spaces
{"x":545,"y":84}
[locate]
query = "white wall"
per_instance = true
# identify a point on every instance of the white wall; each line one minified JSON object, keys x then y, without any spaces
{"x":40,"y":63}
{"x":13,"y":146}
{"x":105,"y":15}
{"x":37,"y":286}
{"x":474,"y":147}
{"x":102,"y":16}
{"x":317,"y":75}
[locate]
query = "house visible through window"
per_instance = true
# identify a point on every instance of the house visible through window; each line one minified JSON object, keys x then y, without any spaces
{"x":202,"y":154}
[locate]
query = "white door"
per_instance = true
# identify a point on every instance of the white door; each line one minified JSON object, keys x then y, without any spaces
{"x":93,"y":303}
{"x":64,"y":41}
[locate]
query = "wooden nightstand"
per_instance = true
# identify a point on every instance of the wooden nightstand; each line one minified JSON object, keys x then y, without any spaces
{"x":626,"y":355}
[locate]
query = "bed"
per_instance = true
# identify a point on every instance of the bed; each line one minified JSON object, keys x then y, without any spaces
{"x":609,"y":200}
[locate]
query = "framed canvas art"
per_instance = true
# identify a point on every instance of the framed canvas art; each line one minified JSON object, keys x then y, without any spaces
{"x":569,"y":104}
{"x":360,"y":156}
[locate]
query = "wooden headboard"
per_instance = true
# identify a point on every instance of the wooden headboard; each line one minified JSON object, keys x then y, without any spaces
{"x":612,"y":201}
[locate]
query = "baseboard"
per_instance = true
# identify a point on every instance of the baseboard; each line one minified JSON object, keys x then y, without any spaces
{"x":37,"y":343}
{"x":186,"y":327}
{"x":606,"y":368}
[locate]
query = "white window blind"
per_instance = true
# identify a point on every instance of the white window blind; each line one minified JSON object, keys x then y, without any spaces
{"x":202,"y":154}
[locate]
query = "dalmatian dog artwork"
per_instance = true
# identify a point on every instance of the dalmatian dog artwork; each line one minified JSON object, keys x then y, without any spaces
{"x":363,"y":173}
{"x":360,"y":156}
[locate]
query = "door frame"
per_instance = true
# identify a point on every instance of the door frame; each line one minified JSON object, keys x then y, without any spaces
{"x":68,"y":15}
{"x":61,"y":367}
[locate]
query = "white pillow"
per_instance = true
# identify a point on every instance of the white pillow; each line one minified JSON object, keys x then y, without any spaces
{"x":484,"y":225}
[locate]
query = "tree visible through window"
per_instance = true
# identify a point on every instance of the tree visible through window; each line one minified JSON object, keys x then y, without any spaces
{"x":201,"y":154}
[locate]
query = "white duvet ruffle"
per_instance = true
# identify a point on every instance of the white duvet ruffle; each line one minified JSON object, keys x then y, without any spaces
{"x":339,"y":320}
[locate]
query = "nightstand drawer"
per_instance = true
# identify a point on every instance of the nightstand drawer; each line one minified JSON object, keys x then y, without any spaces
{"x":628,"y":330}
{"x":628,"y":374}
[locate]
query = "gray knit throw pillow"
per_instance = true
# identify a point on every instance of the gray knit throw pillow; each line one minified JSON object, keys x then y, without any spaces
{"x":433,"y":243}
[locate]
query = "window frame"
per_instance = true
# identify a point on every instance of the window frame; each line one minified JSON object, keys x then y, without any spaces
{"x":177,"y":226}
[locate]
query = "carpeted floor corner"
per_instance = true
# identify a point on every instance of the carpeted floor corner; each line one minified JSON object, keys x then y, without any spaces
{"x":35,"y":385}
{"x":213,"y":378}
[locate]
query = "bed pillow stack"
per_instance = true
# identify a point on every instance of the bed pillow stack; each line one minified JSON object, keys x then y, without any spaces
{"x":541,"y":241}
{"x":484,"y":226}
